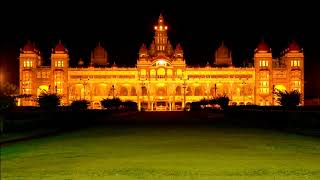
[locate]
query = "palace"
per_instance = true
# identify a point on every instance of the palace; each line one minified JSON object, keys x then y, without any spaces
{"x":161,"y":79}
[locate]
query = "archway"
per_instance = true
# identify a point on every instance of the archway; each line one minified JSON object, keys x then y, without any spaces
{"x":161,"y":91}
{"x":133,"y":91}
{"x":178,"y":91}
{"x":123,"y":91}
{"x":198,"y":91}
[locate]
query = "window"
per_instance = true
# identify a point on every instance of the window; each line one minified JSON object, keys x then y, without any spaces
{"x":58,"y":82}
{"x":264,"y":90}
{"x":264,"y":84}
{"x":264,"y":63}
{"x":27,"y":63}
{"x":264,"y":87}
{"x":59,"y":63}
{"x":295,"y":63}
{"x":295,"y":83}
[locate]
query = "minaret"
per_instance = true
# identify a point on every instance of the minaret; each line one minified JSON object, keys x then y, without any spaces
{"x":161,"y":37}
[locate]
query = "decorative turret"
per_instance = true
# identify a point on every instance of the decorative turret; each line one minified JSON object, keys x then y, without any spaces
{"x":169,"y":49}
{"x":223,"y":56}
{"x":152,"y":49}
{"x":143,"y":52}
{"x":60,"y":48}
{"x":262,"y":47}
{"x":99,"y":56}
{"x":178,"y":52}
{"x":80,"y":62}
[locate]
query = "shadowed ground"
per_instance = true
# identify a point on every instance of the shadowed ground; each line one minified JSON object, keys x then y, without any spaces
{"x":199,"y":149}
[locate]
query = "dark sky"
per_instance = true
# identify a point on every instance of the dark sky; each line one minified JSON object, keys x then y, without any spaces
{"x":122,"y":27}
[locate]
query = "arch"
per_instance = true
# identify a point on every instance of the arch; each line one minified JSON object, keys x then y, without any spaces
{"x":133,"y":91}
{"x":179,"y":72}
{"x":178,"y":90}
{"x":213,"y":91}
{"x":42,"y":88}
{"x":101,"y":90}
{"x":198,"y":91}
{"x":123,"y":91}
{"x":78,"y":90}
{"x":189,"y":91}
{"x":169,"y":72}
{"x":143,"y":72}
{"x":144,"y":91}
{"x":161,"y":72}
{"x":161,"y":91}
{"x":152,"y":72}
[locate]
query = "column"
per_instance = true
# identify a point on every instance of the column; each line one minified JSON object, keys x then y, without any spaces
{"x":151,"y":106}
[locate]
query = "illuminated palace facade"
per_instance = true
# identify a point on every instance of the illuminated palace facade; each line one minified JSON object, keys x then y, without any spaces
{"x":161,"y":79}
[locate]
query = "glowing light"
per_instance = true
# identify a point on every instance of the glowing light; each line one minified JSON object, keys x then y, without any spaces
{"x":155,"y":27}
{"x":160,"y":27}
{"x":166,"y":27}
{"x":161,"y":62}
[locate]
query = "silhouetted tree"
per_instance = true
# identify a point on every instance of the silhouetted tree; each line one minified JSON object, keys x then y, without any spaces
{"x":48,"y":100}
{"x":113,"y":103}
{"x":223,"y":101}
{"x":80,"y":104}
{"x":288,"y":99}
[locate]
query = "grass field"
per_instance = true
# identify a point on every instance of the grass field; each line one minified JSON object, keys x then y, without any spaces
{"x":164,"y":152}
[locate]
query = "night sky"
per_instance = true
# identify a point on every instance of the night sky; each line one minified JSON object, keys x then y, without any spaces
{"x":200,"y":27}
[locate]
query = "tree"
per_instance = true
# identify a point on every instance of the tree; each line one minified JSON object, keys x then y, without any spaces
{"x":223,"y":101}
{"x":49,"y":100}
{"x":7,"y":102}
{"x":130,"y":105}
{"x":288,"y":99}
{"x":113,"y":103}
{"x":8,"y":93}
{"x":80,"y":104}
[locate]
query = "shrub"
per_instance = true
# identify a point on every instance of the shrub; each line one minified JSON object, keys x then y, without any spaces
{"x":80,"y":104}
{"x":288,"y":99}
{"x":113,"y":103}
{"x":223,"y":101}
{"x":48,"y":100}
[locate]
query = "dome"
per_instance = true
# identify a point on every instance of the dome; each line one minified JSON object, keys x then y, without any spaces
{"x":59,"y":47}
{"x":222,"y":51}
{"x":99,"y":51}
{"x":28,"y":47}
{"x":178,"y":49}
{"x":143,"y":49}
{"x":294,"y":46}
{"x":263,"y":46}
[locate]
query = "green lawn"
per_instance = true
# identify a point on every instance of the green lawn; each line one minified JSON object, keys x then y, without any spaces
{"x":164,"y":153}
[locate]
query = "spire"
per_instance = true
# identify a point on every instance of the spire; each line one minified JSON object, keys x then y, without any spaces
{"x":161,"y":25}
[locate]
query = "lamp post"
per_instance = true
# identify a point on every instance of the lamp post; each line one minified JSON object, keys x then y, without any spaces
{"x":112,"y":88}
{"x":85,"y":82}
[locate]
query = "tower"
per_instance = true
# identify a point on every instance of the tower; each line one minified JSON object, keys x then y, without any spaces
{"x":59,"y":71}
{"x":161,"y":37}
{"x":263,"y":69}
{"x":294,"y":60}
{"x":29,"y":59}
